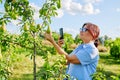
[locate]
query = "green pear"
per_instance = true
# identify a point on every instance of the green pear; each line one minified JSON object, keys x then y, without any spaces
{"x":39,"y":26}
{"x":13,"y":1}
{"x":48,"y":30}
{"x":25,"y":27}
{"x":32,"y":27}
{"x":0,"y":54}
{"x":3,"y":27}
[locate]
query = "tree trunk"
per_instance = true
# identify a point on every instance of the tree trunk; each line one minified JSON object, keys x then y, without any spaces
{"x":34,"y":59}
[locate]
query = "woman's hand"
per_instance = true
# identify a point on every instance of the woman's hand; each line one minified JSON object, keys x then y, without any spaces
{"x":49,"y":37}
{"x":57,"y":47}
{"x":60,"y":42}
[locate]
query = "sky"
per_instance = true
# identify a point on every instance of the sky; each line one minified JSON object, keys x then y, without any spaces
{"x":74,"y":13}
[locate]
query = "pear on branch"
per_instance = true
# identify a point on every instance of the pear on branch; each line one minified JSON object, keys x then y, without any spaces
{"x":39,"y":26}
{"x":33,"y":27}
{"x":3,"y":27}
{"x":48,"y":30}
{"x":25,"y":27}
{"x":15,"y":16}
{"x":13,"y":1}
{"x":0,"y":54}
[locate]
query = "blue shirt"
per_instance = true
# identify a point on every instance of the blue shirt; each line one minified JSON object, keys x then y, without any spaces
{"x":88,"y":56}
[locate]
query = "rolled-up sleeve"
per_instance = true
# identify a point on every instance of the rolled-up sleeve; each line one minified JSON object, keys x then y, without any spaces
{"x":84,"y":56}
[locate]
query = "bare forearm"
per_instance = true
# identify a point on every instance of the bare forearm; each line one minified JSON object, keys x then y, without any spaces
{"x":58,"y":48}
{"x":70,"y":59}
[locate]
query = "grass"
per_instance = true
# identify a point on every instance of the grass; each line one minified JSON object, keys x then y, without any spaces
{"x":23,"y":70}
{"x":109,"y":64}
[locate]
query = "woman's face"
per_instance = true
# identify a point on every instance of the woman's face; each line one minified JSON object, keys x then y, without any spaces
{"x":85,"y":34}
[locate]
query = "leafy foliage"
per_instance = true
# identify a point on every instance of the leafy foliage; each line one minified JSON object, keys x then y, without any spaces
{"x":115,"y":49}
{"x":102,"y":75}
{"x":48,"y":10}
{"x":22,"y":11}
{"x":68,"y":41}
{"x":77,"y":40}
{"x":29,"y":39}
{"x":50,"y":70}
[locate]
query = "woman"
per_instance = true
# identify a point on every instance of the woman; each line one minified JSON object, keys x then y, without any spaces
{"x":83,"y":60}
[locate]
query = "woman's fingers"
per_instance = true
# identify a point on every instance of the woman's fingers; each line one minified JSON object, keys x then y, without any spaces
{"x":61,"y":41}
{"x":49,"y":37}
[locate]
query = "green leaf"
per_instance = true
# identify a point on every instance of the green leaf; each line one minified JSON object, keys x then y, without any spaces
{"x":54,"y":8}
{"x":58,"y":4}
{"x":0,"y":1}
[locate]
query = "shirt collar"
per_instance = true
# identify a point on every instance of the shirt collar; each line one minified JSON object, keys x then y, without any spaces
{"x":87,"y":44}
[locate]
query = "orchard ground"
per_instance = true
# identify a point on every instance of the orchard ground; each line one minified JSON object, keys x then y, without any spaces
{"x":23,"y":69}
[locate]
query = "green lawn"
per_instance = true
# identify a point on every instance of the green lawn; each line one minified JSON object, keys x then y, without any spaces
{"x":23,"y":69}
{"x":109,"y":64}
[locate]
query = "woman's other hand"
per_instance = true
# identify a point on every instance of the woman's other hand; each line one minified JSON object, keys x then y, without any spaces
{"x":60,"y":42}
